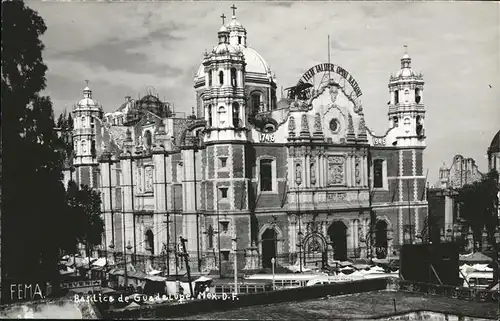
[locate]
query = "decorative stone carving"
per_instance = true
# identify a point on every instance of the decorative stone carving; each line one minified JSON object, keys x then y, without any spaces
{"x":148,"y":184}
{"x":358,"y":170}
{"x":336,"y":170}
{"x":304,"y":126}
{"x":362,"y":129}
{"x":291,"y":126}
{"x":336,"y":197}
{"x":318,"y":130}
{"x":350,"y":128}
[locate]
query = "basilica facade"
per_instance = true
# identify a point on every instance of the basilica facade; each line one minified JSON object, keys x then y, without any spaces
{"x":301,"y":178}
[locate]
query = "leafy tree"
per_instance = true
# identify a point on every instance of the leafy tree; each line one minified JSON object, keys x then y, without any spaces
{"x":478,"y":207}
{"x":84,"y":214}
{"x":34,"y":200}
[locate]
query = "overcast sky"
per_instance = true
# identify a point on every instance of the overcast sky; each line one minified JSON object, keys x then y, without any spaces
{"x":123,"y":48}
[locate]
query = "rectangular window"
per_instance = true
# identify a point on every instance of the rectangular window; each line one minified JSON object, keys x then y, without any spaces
{"x":223,"y":192}
{"x":223,"y":162}
{"x":225,"y":226}
{"x":266,"y":175}
{"x":378,"y":173}
{"x":225,"y":255}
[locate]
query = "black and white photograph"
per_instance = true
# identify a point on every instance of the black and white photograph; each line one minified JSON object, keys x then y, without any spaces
{"x":250,"y":160}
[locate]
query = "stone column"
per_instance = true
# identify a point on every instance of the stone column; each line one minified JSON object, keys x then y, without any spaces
{"x":350,"y":233}
{"x":348,"y":169}
{"x":355,"y":233}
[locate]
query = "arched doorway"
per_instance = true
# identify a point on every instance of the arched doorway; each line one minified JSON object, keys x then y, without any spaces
{"x":381,"y":239}
{"x":269,"y":247}
{"x":314,"y":250}
{"x":338,"y":236}
{"x":150,"y":246}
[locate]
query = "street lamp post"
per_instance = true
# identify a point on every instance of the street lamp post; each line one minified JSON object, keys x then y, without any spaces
{"x":129,"y":247}
{"x":273,"y":261}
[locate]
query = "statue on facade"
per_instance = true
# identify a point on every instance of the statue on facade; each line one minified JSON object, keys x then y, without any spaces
{"x":358,"y":171}
{"x":313,"y":173}
{"x":317,"y":123}
{"x":298,"y":174}
{"x":304,"y":130}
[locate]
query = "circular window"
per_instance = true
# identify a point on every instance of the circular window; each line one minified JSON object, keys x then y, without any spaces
{"x":334,"y":125}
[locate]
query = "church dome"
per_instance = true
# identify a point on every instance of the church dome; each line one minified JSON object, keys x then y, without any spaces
{"x":87,"y":102}
{"x":234,"y":24}
{"x":495,"y":144}
{"x":224,"y":48}
{"x":254,"y":61}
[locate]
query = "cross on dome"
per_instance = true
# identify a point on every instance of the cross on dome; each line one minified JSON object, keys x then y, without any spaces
{"x":87,"y":93}
{"x":234,"y":10}
{"x":223,"y":16}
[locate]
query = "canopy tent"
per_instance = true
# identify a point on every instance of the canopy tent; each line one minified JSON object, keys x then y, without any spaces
{"x":476,"y":257}
{"x":203,"y":279}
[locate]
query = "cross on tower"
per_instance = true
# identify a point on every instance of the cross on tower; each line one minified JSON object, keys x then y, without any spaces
{"x":86,"y":83}
{"x":234,"y":10}
{"x":406,"y":49}
{"x":223,"y":16}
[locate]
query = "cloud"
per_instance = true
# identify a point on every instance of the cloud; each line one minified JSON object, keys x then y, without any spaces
{"x":125,"y":47}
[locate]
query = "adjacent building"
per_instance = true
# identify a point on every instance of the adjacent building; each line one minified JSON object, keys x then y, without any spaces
{"x":301,"y":178}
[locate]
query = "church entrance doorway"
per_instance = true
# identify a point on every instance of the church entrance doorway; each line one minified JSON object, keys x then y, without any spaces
{"x":269,"y":247}
{"x":381,"y":239}
{"x":338,"y":236}
{"x":314,"y":250}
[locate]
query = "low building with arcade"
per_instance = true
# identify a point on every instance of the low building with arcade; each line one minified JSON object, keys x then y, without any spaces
{"x":302,"y":178}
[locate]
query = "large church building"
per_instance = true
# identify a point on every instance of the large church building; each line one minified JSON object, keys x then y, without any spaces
{"x":299,"y":178}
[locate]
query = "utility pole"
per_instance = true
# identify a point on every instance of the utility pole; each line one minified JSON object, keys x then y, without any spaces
{"x":186,"y":260}
{"x":166,"y":210}
{"x":235,"y":240}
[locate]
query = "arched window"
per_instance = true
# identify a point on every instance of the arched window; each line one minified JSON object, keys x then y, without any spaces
{"x":150,"y":245}
{"x":396,"y":97}
{"x":236,"y":114}
{"x":84,"y":147}
{"x":92,"y":149}
{"x":256,"y":102}
{"x":210,"y":237}
{"x":83,"y":121}
{"x":417,"y":95}
{"x":378,"y":173}
{"x":210,"y":78}
{"x":239,"y":40}
{"x":407,"y":124}
{"x":221,"y":77}
{"x":420,"y":126}
{"x":209,"y":110}
{"x":149,"y":139}
{"x":233,"y":77}
{"x":395,"y":121}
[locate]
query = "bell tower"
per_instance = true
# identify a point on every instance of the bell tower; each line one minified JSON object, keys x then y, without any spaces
{"x":406,"y":106}
{"x":87,"y":114}
{"x":224,"y":102}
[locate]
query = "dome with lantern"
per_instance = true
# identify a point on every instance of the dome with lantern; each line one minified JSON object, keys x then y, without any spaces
{"x":406,"y":71}
{"x":87,"y":102}
{"x":237,"y":44}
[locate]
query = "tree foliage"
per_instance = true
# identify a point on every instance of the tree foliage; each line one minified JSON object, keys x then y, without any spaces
{"x":479,"y":208}
{"x":34,"y":198}
{"x":84,"y":211}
